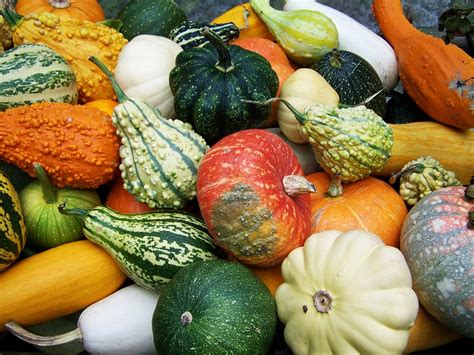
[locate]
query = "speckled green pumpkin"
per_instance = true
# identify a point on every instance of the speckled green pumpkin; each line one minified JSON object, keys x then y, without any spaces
{"x":210,"y":83}
{"x":214,"y":307}
{"x":160,"y":157}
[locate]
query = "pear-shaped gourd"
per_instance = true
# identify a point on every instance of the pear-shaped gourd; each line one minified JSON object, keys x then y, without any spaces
{"x":160,"y":157}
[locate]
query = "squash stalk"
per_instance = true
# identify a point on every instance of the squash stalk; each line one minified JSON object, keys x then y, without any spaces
{"x":301,"y":117}
{"x":39,"y":340}
{"x":13,"y":19}
{"x":121,"y":97}
{"x":297,"y":185}
{"x":336,"y":60}
{"x":186,"y":318}
{"x":335,"y":187}
{"x":50,"y":193}
{"x":79,"y":212}
{"x":225,"y":61}
{"x":322,"y":301}
{"x":60,"y":4}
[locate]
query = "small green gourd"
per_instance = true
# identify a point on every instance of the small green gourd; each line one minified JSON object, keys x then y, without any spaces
{"x":305,"y":35}
{"x":422,"y":176}
{"x":160,"y":157}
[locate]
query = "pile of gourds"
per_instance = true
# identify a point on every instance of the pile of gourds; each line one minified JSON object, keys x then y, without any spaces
{"x":187,"y":186}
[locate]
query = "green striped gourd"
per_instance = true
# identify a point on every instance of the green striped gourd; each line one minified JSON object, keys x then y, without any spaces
{"x":32,"y":73}
{"x":13,"y":230}
{"x":189,"y":34}
{"x":160,"y":157}
{"x":149,"y":247}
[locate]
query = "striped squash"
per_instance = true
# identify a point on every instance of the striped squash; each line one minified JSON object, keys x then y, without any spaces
{"x":32,"y":73}
{"x":13,"y":230}
{"x":189,"y":34}
{"x":149,"y":247}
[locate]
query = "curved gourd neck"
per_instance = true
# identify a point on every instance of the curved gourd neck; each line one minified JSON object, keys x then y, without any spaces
{"x":268,"y":14}
{"x":121,"y":97}
{"x":225,"y":60}
{"x":39,"y":340}
{"x":392,"y":22}
{"x":50,"y":193}
{"x":13,"y":19}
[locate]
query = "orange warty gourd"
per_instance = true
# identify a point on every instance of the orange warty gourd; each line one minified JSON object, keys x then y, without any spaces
{"x":76,"y":145}
{"x":437,"y":76}
{"x":76,"y":40}
{"x":369,"y":204}
{"x":57,"y":282}
{"x":104,"y":105}
{"x":80,"y":9}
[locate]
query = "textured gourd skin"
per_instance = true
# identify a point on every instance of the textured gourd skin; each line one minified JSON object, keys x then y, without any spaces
{"x":76,"y":145}
{"x":211,"y":96}
{"x":76,"y":40}
{"x":81,"y":9}
{"x":351,"y":142}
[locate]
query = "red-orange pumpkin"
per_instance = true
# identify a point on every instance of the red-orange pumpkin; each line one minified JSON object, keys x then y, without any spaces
{"x":242,"y":198}
{"x":81,"y":9}
{"x":123,"y":201}
{"x":369,"y":204}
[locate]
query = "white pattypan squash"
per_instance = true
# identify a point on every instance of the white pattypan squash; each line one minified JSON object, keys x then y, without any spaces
{"x":346,"y":293}
{"x":143,"y":68}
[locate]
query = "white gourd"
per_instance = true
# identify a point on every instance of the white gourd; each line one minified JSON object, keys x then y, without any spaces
{"x":143,"y":69}
{"x":346,"y":293}
{"x":356,"y":38}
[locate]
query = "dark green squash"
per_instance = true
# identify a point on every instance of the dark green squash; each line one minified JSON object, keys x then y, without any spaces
{"x":402,"y":109}
{"x":210,"y":83}
{"x":153,"y":17}
{"x":353,"y":78}
{"x":214,"y":307}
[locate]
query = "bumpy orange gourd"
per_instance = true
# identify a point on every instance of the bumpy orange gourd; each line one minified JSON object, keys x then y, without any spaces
{"x":369,"y":204}
{"x":255,"y":28}
{"x":80,"y":9}
{"x":438,"y":77}
{"x":75,"y":144}
{"x":76,"y":40}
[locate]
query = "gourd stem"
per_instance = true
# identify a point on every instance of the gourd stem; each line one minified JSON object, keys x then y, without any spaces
{"x":336,"y":60}
{"x":118,"y":90}
{"x":225,"y":61}
{"x":80,"y":212}
{"x":322,"y":300}
{"x":13,"y":19}
{"x":23,"y":334}
{"x":301,"y":117}
{"x":415,"y":168}
{"x":246,"y":19}
{"x":297,"y":185}
{"x":50,"y":193}
{"x":186,"y":318}
{"x":335,"y":187}
{"x":470,"y":222}
{"x":59,"y":4}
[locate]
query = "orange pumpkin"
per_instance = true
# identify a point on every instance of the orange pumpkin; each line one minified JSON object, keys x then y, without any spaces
{"x":120,"y":200}
{"x":81,"y":9}
{"x":437,"y":76}
{"x":254,"y":26}
{"x":369,"y":204}
{"x":105,"y":105}
{"x":271,"y":277}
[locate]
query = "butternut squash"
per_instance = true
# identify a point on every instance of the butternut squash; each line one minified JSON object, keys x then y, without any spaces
{"x":439,"y":77}
{"x":76,"y":144}
{"x":452,"y":147}
{"x":57,"y":282}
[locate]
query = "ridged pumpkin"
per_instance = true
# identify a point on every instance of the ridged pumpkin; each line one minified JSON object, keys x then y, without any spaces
{"x":437,"y":240}
{"x":81,"y":9}
{"x":243,"y":198}
{"x":369,"y":204}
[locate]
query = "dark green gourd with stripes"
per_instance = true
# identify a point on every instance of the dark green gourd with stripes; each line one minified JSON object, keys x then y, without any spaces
{"x":160,"y":157}
{"x":189,"y":34}
{"x":149,"y":247}
{"x":35,"y":73}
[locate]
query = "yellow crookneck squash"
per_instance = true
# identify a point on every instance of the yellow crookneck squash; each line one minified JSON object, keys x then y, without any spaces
{"x":76,"y":40}
{"x":81,"y":9}
{"x":344,"y":293}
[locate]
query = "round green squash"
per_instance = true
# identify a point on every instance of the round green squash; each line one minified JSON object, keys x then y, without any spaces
{"x":46,"y":226}
{"x":353,"y":78}
{"x":214,"y":307}
{"x":210,"y":85}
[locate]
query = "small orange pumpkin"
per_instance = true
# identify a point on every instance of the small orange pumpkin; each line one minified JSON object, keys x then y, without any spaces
{"x":105,"y":105}
{"x":369,"y":204}
{"x":81,"y":9}
{"x":120,"y":200}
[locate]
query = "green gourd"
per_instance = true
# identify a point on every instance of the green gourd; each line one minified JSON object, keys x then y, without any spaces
{"x":209,"y":84}
{"x":160,"y":157}
{"x":46,"y":226}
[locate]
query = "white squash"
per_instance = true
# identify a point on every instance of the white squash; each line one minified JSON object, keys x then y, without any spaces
{"x":304,"y":88}
{"x":356,"y":38}
{"x":143,"y":68}
{"x":346,"y":293}
{"x":119,"y":323}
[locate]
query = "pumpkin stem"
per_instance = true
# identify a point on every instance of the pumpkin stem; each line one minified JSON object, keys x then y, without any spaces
{"x":80,"y":212}
{"x":118,"y":90}
{"x":13,"y":19}
{"x":415,"y":168}
{"x":50,"y":193}
{"x":322,"y":301}
{"x":21,"y":333}
{"x":245,"y":15}
{"x":364,"y":102}
{"x":336,"y":60}
{"x":186,"y":318}
{"x":301,"y":117}
{"x":59,"y":4}
{"x":470,"y":222}
{"x":225,"y":61}
{"x":297,"y":185}
{"x":335,"y":187}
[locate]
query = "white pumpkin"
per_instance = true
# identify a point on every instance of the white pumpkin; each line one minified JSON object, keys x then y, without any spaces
{"x":346,"y":293}
{"x":143,"y":69}
{"x":303,"y":88}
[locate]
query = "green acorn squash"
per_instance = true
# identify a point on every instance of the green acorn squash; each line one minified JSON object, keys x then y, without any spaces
{"x":214,"y":307}
{"x":209,"y":84}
